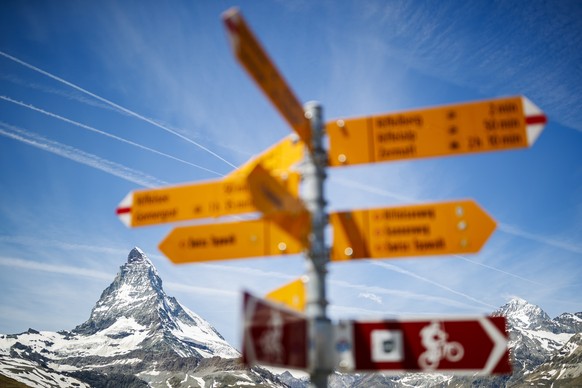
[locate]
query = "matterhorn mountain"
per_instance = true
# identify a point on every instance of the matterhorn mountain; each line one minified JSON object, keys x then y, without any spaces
{"x":136,"y":336}
{"x":135,"y":305}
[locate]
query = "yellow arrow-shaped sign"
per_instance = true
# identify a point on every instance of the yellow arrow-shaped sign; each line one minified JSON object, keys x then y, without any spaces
{"x":257,"y":63}
{"x":214,"y":198}
{"x":270,"y":196}
{"x":291,"y":294}
{"x":233,"y":240}
{"x":421,"y":230}
{"x":278,"y":159}
{"x":499,"y":124}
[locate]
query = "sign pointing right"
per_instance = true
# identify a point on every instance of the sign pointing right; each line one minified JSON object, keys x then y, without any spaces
{"x":500,"y":124}
{"x":419,"y":230}
{"x":472,"y":345}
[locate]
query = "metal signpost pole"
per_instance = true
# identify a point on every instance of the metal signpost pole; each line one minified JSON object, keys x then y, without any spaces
{"x":318,"y":254}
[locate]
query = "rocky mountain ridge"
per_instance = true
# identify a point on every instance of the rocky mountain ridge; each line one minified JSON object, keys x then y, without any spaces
{"x":535,"y":340}
{"x":544,"y":351}
{"x":136,"y":335}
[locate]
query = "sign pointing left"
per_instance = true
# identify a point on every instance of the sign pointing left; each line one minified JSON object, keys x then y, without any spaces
{"x":232,"y":240}
{"x":215,"y":198}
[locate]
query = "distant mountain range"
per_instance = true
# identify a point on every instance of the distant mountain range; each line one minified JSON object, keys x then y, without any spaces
{"x":138,"y":336}
{"x":544,"y":352}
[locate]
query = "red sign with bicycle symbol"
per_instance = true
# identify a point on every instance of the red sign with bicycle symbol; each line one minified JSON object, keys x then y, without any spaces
{"x":471,"y":345}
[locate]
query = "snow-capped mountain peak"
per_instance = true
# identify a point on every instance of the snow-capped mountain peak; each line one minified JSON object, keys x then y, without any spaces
{"x":136,"y":336}
{"x":136,"y":255}
{"x":524,"y":314}
{"x":136,"y":295}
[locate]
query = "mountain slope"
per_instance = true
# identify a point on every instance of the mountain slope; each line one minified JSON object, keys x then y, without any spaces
{"x":135,"y":308}
{"x":564,"y":368}
{"x":533,"y":335}
{"x":544,"y":351}
{"x":136,"y":335}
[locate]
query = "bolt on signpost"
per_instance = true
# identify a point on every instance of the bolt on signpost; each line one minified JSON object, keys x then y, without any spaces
{"x":268,"y":184}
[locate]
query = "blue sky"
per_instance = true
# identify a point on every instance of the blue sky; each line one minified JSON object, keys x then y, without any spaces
{"x":169,"y":91}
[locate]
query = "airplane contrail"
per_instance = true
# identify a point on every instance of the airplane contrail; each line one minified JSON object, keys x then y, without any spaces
{"x":117,"y":106}
{"x":79,"y":156}
{"x":92,"y":129}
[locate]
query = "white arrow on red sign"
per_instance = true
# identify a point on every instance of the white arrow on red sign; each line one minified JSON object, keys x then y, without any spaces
{"x":476,"y":346}
{"x":273,"y":334}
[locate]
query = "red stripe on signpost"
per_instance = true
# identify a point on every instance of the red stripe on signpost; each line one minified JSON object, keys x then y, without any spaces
{"x":538,"y":119}
{"x":123,"y":210}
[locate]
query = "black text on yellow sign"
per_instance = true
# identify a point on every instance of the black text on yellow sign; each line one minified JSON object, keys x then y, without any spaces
{"x":500,"y":124}
{"x":432,"y":229}
{"x":232,"y":240}
{"x":215,"y":198}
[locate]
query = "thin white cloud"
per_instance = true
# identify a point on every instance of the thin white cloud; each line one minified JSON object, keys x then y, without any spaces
{"x":58,"y":92}
{"x":342,"y":311}
{"x":79,"y":156}
{"x":397,"y":269}
{"x":41,"y":242}
{"x":122,"y":252}
{"x":502,"y":227}
{"x":208,"y":291}
{"x":117,"y":106}
{"x":499,"y":270}
{"x":370,"y":296}
{"x":489,"y":59}
{"x":61,"y":269}
{"x":404,"y":295}
{"x":90,"y":273}
{"x":100,"y":132}
{"x":370,"y":292}
{"x":515,"y":231}
{"x":250,"y":271}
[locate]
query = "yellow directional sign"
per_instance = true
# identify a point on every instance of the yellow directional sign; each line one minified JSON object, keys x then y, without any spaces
{"x":269,"y":195}
{"x":232,"y":240}
{"x":278,"y":159}
{"x":291,"y":294}
{"x":214,"y":198}
{"x":419,"y":230}
{"x":499,"y":124}
{"x":257,"y":63}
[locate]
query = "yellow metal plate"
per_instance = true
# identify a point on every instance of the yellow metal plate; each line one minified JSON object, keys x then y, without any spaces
{"x":259,"y":66}
{"x":231,"y":240}
{"x":278,"y":159}
{"x":498,"y":124}
{"x":291,"y":295}
{"x":269,"y":195}
{"x":421,"y":230}
{"x":195,"y":201}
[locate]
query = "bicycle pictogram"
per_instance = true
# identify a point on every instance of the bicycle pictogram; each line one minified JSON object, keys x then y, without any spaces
{"x":434,"y":340}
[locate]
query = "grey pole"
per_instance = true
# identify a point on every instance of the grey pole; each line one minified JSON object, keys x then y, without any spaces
{"x":320,"y":340}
